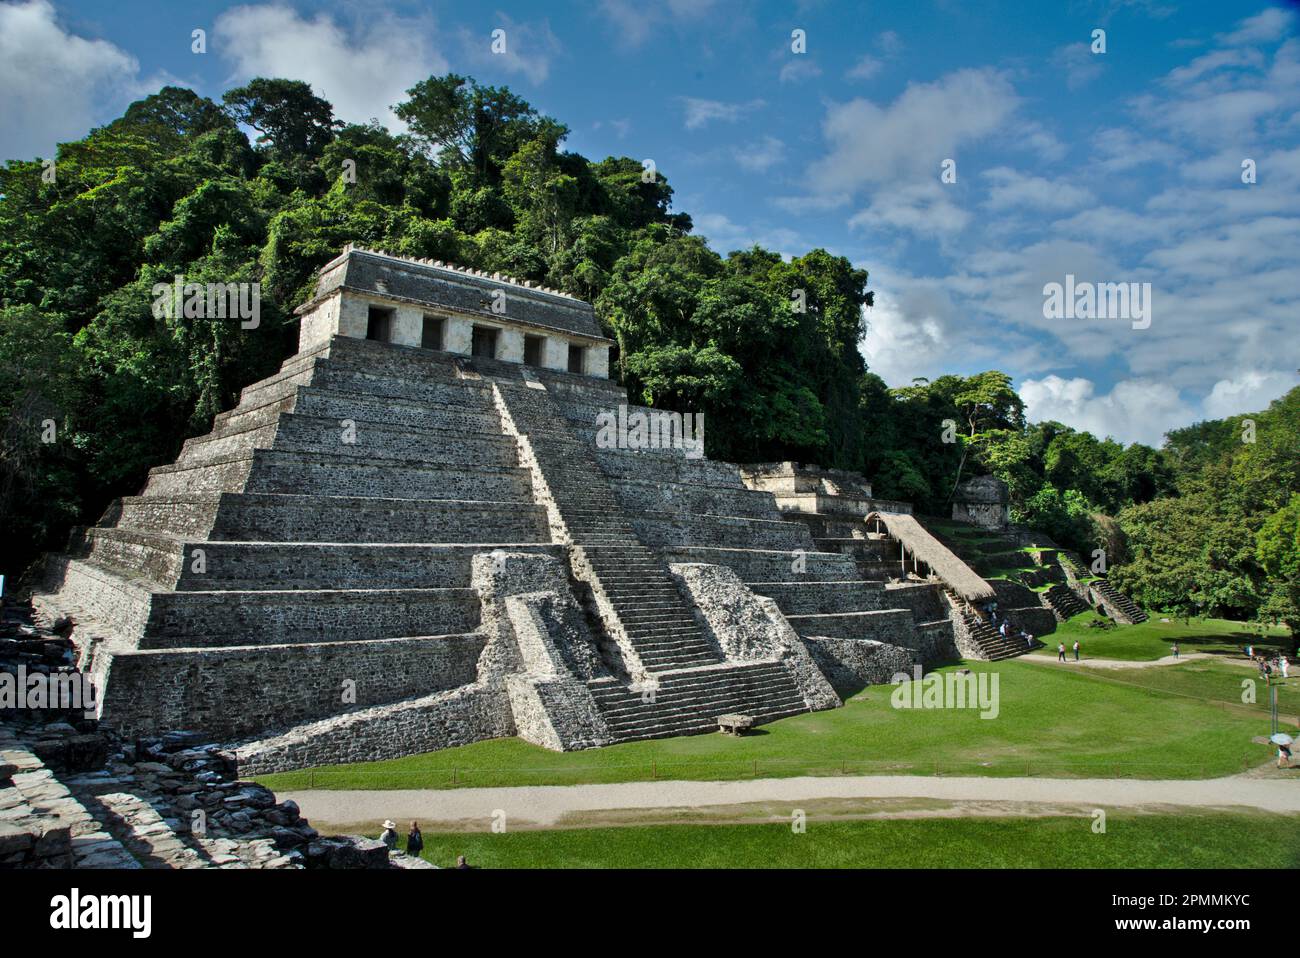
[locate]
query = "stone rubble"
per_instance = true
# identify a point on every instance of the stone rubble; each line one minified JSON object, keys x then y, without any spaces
{"x":171,"y":802}
{"x":74,"y":795}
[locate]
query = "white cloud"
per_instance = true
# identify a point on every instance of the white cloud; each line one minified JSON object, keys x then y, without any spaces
{"x":55,"y":85}
{"x":798,"y":69}
{"x":866,"y":67}
{"x":910,"y":137}
{"x":1112,"y":224}
{"x":620,"y":127}
{"x":1143,"y":409}
{"x":1218,"y":253}
{"x":1041,"y":141}
{"x":1122,"y":148}
{"x":1135,"y":410}
{"x":636,"y":21}
{"x":809,"y":205}
{"x":1213,"y":61}
{"x":700,"y":113}
{"x":362,"y":72}
{"x":1266,"y":26}
{"x":1079,"y":64}
{"x":924,"y":208}
{"x":762,"y":155}
{"x":890,"y":43}
{"x":1013,"y":189}
{"x":1250,"y":392}
{"x":528,"y":50}
{"x":1225,"y":99}
{"x":909,"y":331}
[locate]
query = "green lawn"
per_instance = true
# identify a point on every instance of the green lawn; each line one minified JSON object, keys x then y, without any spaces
{"x":1051,"y":722}
{"x":1211,"y":681}
{"x":1153,"y":638}
{"x":1195,"y":840}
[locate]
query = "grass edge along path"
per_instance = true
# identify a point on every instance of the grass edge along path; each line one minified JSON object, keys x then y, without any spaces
{"x":1131,"y":840}
{"x":1153,"y":639}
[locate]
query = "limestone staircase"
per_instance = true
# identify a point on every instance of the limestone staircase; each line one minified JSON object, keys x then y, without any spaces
{"x":1064,"y":601}
{"x":689,"y":701}
{"x":659,"y":625}
{"x":1117,"y":601}
{"x":683,"y":684}
{"x":646,"y":605}
{"x":1118,"y":605}
{"x":993,"y":645}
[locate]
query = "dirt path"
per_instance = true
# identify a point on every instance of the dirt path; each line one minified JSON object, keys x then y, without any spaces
{"x":1125,"y":663}
{"x":548,"y":804}
{"x":1045,"y":659}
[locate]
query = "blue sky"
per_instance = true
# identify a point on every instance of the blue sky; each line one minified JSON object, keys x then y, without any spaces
{"x":1116,"y":167}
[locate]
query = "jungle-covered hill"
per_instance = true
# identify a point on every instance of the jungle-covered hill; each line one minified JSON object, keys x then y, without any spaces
{"x":267,"y":185}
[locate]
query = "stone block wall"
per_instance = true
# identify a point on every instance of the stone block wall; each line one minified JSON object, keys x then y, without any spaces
{"x":851,"y":664}
{"x":317,"y":326}
{"x":539,"y":645}
{"x":924,"y":600}
{"x":235,"y":692}
{"x":808,"y":598}
{"x":99,"y":595}
{"x":738,"y":532}
{"x":427,"y":723}
{"x":259,"y":566}
{"x":767,"y":565}
{"x":886,"y":625}
{"x":213,"y":619}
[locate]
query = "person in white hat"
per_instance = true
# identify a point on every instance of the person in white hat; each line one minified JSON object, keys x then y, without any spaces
{"x":389,"y":837}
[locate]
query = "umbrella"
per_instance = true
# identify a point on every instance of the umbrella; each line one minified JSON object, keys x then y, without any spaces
{"x":1281,"y":738}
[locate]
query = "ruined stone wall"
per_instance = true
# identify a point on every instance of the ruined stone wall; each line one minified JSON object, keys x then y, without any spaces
{"x":925,"y":600}
{"x":212,"y":619}
{"x":669,"y":529}
{"x":235,"y":692}
{"x":850,"y":664}
{"x":748,"y":627}
{"x":539,"y":645}
{"x":425,"y":724}
{"x":985,"y":515}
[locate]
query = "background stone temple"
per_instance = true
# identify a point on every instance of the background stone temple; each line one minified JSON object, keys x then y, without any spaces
{"x":409,"y":538}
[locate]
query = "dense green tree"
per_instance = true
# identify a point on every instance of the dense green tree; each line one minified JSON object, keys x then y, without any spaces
{"x":471,"y":127}
{"x":38,"y":406}
{"x":767,"y":348}
{"x":1277,"y":549}
{"x":290,"y":120}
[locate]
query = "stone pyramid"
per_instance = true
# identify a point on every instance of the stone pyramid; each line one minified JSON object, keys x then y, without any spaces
{"x":386,"y":548}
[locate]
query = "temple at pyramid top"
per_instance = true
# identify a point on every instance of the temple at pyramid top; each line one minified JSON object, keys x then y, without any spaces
{"x":434,"y":305}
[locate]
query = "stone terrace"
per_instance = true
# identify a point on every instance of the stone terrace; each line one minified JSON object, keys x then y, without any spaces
{"x":414,"y":548}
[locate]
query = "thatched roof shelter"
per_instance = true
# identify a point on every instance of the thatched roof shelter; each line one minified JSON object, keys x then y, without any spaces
{"x":955,"y":573}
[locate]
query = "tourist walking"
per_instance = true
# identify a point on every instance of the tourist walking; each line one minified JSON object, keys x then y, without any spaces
{"x":414,"y":840}
{"x":1076,"y":650}
{"x":1060,"y":652}
{"x":1283,"y":756}
{"x":1175,"y":650}
{"x":1285,"y":666}
{"x":389,"y":836}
